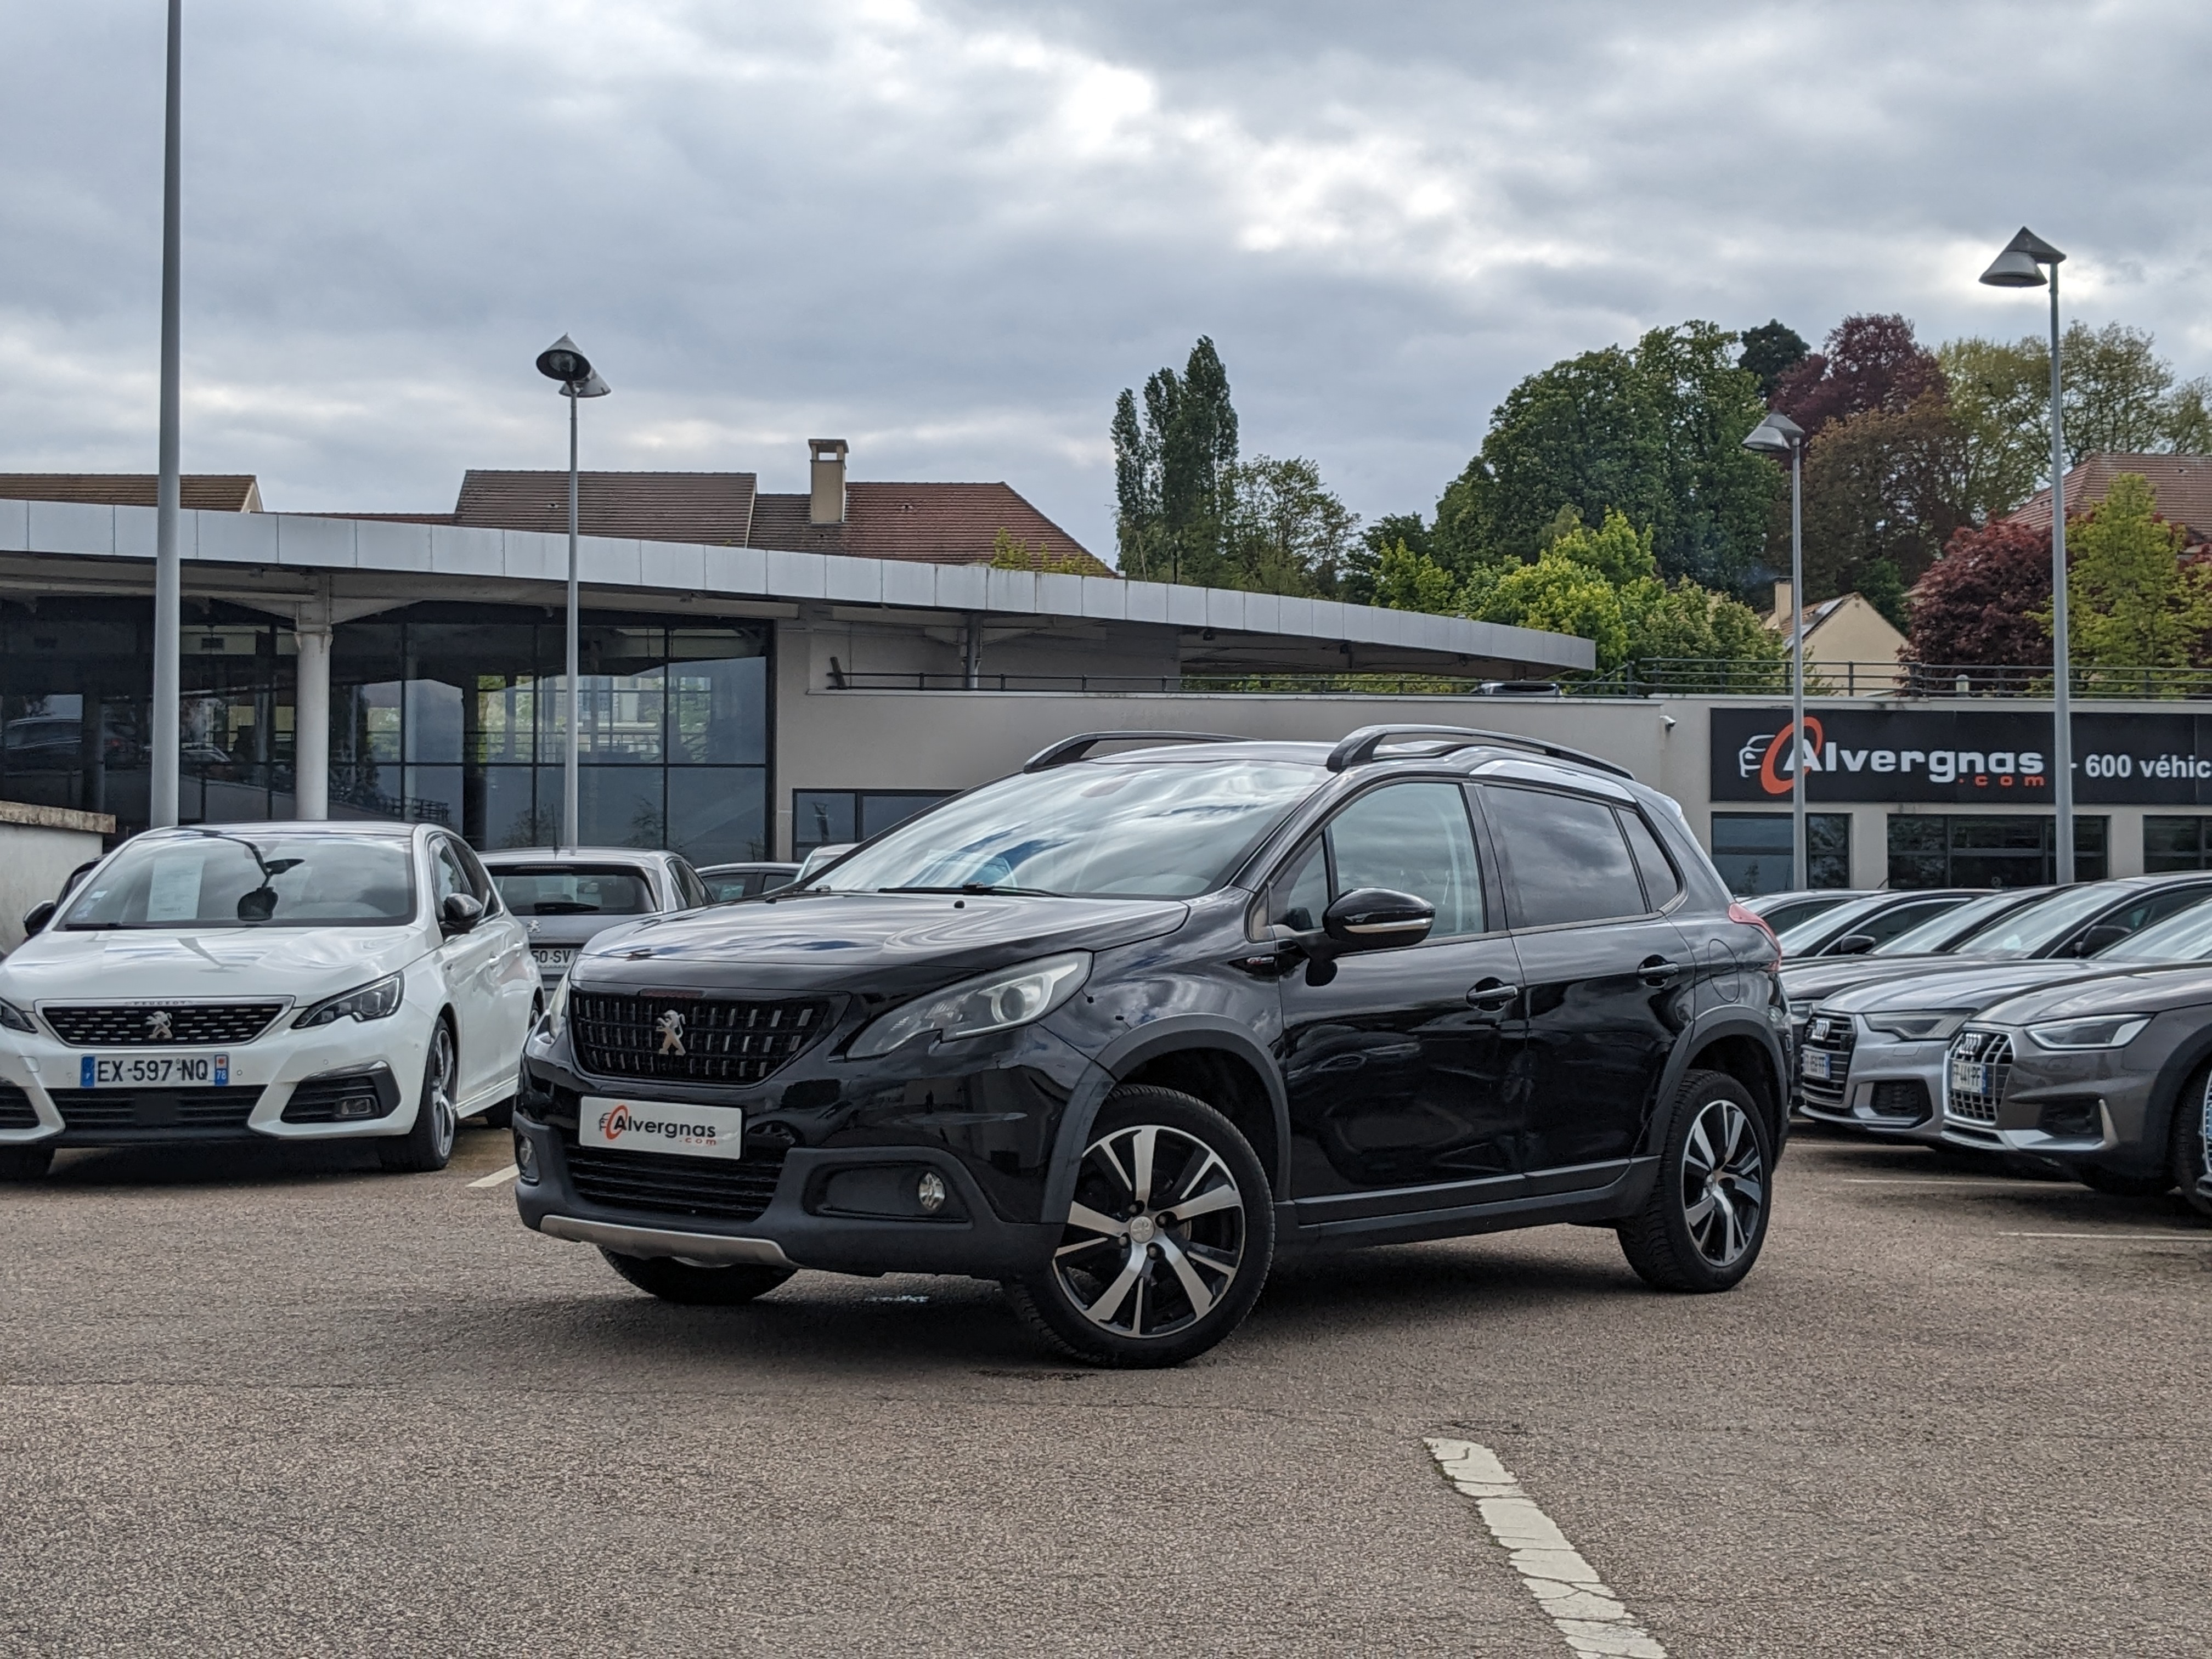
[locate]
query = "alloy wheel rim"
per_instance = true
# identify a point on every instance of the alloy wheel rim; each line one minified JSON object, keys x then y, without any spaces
{"x":444,"y":1126}
{"x":1724,"y":1182}
{"x":1155,"y":1235}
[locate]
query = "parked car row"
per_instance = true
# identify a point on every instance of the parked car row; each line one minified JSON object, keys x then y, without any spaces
{"x":2071,"y":1027}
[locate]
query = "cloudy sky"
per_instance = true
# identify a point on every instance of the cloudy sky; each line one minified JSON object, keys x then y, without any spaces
{"x":950,"y":230}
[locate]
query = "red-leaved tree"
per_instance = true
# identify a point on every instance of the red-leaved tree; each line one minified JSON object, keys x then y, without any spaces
{"x":1977,"y":603}
{"x":1866,"y":363}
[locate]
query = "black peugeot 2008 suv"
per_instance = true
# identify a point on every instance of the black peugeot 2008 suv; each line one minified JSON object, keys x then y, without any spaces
{"x":1120,"y":1029}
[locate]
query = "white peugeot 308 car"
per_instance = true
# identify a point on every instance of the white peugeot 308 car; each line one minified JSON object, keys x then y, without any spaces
{"x":297,"y":982}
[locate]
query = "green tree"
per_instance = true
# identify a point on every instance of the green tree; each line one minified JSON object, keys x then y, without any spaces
{"x":1285,"y":532}
{"x":1770,"y":351}
{"x":1655,"y":432}
{"x":2132,"y":603}
{"x":1360,"y":581}
{"x":1880,"y":500}
{"x":1171,"y":463}
{"x":1407,"y":579}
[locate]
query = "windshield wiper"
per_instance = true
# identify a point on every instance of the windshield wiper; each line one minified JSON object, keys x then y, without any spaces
{"x":986,"y":887}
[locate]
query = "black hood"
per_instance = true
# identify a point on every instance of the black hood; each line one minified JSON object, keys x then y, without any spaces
{"x":890,"y":944}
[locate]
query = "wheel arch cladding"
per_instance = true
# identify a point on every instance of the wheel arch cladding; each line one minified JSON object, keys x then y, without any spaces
{"x":1227,"y":1082}
{"x":1740,"y":1054}
{"x":2187,"y":1059}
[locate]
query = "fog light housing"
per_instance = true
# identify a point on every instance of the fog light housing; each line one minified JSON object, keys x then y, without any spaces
{"x":929,"y":1192}
{"x":888,"y":1192}
{"x":2077,"y":1118}
{"x":526,"y":1160}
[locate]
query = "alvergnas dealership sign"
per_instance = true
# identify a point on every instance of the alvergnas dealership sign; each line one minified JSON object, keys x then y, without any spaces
{"x":1998,"y":759}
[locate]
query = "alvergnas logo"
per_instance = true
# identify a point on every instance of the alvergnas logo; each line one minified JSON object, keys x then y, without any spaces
{"x":619,"y":1123}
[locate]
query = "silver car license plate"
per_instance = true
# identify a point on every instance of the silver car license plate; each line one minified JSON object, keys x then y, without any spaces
{"x":1815,"y":1064}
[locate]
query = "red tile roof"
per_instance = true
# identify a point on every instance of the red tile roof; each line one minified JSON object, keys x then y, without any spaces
{"x":714,"y":508}
{"x":204,"y":492}
{"x":2182,"y":484}
{"x":930,"y":523}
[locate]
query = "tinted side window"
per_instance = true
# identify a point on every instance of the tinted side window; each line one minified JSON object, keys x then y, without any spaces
{"x":447,"y":874}
{"x":689,"y":889}
{"x":1660,"y":880}
{"x":1902,"y":919}
{"x":1301,"y":892}
{"x":1565,"y":856}
{"x":479,"y":877}
{"x":1412,"y":838}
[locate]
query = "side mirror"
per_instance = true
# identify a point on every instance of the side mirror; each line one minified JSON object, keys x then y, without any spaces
{"x":459,"y":913}
{"x":36,"y":918}
{"x":1374,"y":918}
{"x":1852,"y":944}
{"x":2102,"y":937}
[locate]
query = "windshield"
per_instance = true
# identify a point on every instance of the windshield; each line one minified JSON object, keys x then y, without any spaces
{"x":2183,"y":938}
{"x":226,"y":879}
{"x":2040,"y":926}
{"x":1832,"y":923}
{"x":568,"y":890}
{"x":1936,"y":933}
{"x":1093,"y":830}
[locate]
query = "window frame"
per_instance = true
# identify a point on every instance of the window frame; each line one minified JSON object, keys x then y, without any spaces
{"x":1481,"y":788}
{"x":1264,"y":928}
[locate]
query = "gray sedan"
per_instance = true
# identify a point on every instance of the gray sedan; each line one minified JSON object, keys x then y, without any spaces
{"x":564,"y":897}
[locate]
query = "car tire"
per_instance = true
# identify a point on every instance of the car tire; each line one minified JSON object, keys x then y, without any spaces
{"x":694,"y":1286}
{"x":1191,"y":1268}
{"x":2123,"y":1183}
{"x":2190,"y":1143}
{"x":429,"y":1144}
{"x":24,"y":1163}
{"x":1705,"y":1221}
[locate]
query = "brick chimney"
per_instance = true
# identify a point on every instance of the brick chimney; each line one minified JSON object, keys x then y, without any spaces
{"x":826,"y":502}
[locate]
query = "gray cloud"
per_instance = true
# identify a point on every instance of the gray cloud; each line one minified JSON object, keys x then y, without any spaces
{"x":951,"y":229}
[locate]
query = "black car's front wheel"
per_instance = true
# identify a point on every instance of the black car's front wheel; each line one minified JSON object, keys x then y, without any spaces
{"x":1166,"y":1243}
{"x":1701,"y":1227}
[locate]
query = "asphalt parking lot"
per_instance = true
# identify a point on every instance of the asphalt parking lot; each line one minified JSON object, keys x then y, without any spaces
{"x":276,"y":1402}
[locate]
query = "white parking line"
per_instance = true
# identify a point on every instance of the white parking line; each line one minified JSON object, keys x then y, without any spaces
{"x":1947,"y":1181}
{"x":498,"y":1178}
{"x":2170,"y":1238}
{"x":1588,"y":1615}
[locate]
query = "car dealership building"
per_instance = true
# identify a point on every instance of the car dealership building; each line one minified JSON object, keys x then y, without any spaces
{"x":764,"y":674}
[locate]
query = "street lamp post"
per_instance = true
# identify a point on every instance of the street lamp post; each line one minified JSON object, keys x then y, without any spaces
{"x":166,"y":717}
{"x":1777,"y":435}
{"x":2020,"y":266}
{"x":562,"y":361}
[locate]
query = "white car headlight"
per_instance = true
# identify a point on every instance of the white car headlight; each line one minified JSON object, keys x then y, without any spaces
{"x":1919,"y":1028}
{"x":15,"y":1019}
{"x":992,"y":1002}
{"x":2111,"y":1031}
{"x":377,"y":1001}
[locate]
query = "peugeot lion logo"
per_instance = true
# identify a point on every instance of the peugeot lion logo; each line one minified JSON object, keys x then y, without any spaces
{"x":158,"y":1026}
{"x":671,"y":1032}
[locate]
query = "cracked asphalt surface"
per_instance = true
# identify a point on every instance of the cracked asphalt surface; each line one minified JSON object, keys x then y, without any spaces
{"x":272,"y":1401}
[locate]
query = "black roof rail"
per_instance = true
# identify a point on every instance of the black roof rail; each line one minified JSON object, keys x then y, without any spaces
{"x":1074,"y":749}
{"x":1358,"y":748}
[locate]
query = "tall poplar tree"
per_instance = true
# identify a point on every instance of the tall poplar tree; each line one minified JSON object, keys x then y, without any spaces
{"x":1175,"y":463}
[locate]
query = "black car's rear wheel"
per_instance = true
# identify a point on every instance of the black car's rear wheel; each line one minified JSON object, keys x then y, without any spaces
{"x":1167,"y":1242}
{"x":694,"y":1283}
{"x":1705,"y":1221}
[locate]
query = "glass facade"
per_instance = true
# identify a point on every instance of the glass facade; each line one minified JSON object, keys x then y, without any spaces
{"x":1752,"y":850}
{"x":824,"y":817}
{"x":444,"y":713}
{"x":2176,"y":843}
{"x":1956,"y":849}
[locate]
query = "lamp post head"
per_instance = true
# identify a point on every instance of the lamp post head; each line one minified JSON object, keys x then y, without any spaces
{"x":1777,"y":435}
{"x":2020,"y":264}
{"x":590,"y":387}
{"x":562,"y":361}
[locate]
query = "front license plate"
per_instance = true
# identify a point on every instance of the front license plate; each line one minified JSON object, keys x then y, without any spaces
{"x":145,"y":1071}
{"x":553,"y":956}
{"x":1815,"y":1064}
{"x":1969,"y":1077}
{"x":661,"y":1126}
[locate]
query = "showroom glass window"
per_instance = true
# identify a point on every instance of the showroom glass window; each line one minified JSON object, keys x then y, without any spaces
{"x":440,"y":713}
{"x":1752,"y":850}
{"x":1958,"y":849}
{"x":2176,"y":843}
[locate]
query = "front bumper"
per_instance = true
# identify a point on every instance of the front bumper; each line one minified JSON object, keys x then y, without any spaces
{"x":1892,"y":1089}
{"x":983,"y":1116}
{"x":214,"y":1094}
{"x":2071,"y":1107}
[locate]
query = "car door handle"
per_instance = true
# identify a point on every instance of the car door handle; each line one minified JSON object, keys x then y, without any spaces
{"x":1657,"y":970}
{"x":1492,"y":995}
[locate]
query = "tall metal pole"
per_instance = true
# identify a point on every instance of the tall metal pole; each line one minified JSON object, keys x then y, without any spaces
{"x":1800,"y":851}
{"x":2062,"y":656}
{"x":569,"y":816}
{"x":166,"y":718}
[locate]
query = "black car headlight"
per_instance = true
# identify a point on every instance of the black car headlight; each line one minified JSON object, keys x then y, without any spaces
{"x":1919,"y":1028}
{"x":2107,"y":1032}
{"x":377,"y":1001}
{"x":991,"y":1002}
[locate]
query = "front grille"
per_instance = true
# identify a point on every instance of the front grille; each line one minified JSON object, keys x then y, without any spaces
{"x":1835,"y":1035}
{"x":725,"y":1189}
{"x":1989,"y":1048}
{"x":354,"y":1098}
{"x":709,"y":1041}
{"x":16,"y":1111}
{"x":156,"y":1108}
{"x":188,"y":1025}
{"x":1906,"y":1098}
